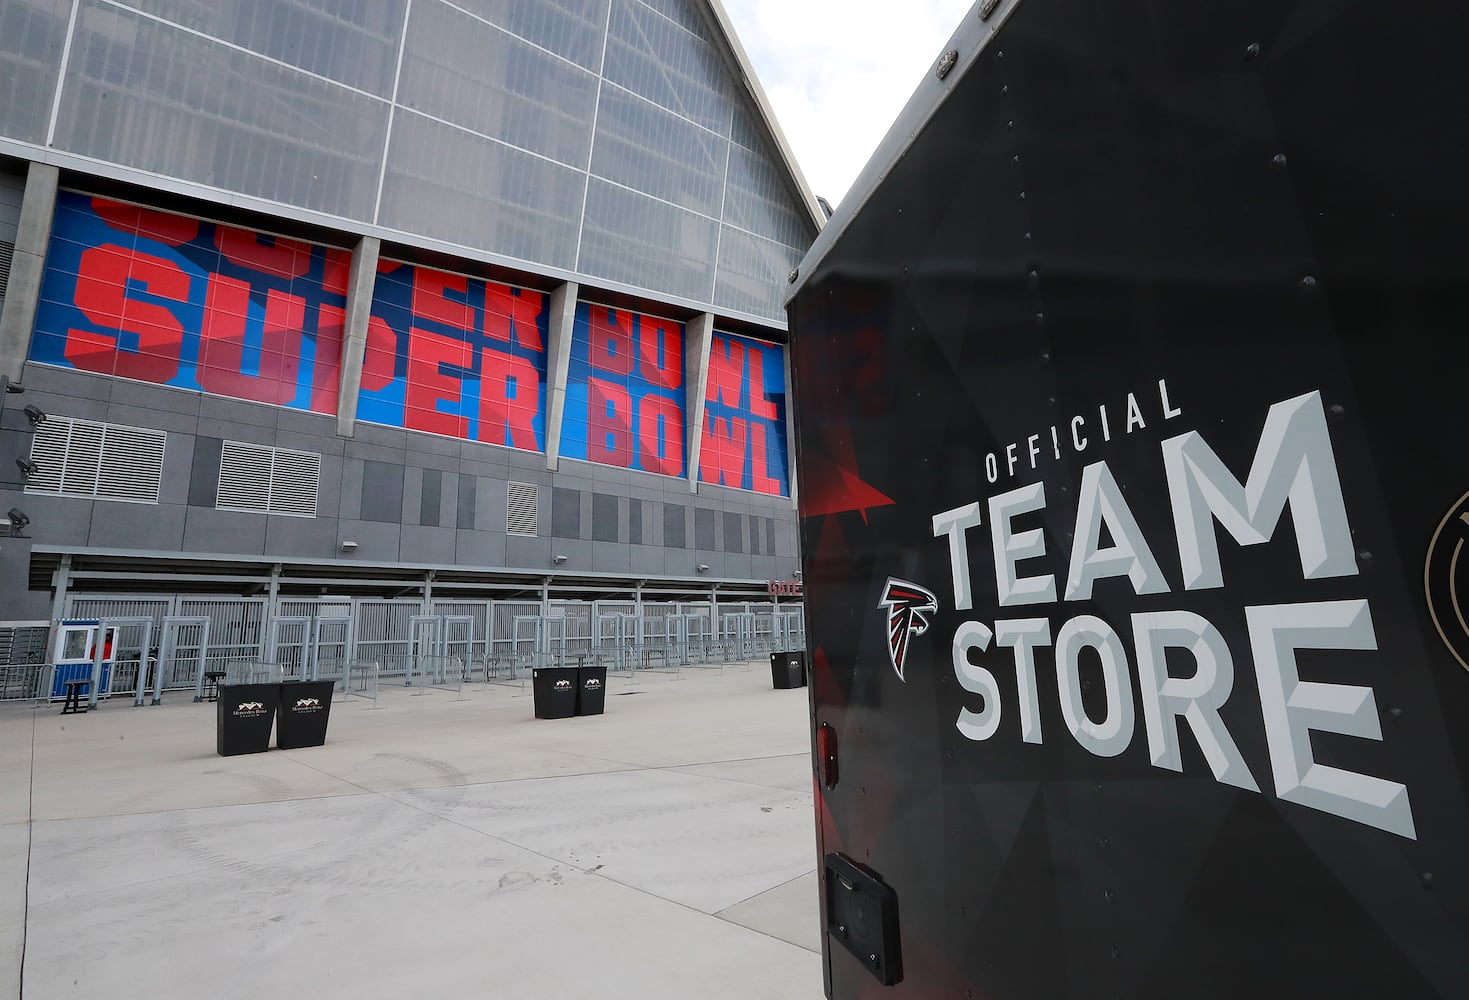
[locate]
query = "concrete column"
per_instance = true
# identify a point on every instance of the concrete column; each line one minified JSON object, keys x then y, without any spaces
{"x":558,"y":364}
{"x":698,"y":338}
{"x":23,"y":294}
{"x":360,"y":286}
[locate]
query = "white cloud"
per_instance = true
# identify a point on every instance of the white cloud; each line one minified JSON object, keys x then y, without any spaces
{"x":839,"y":71}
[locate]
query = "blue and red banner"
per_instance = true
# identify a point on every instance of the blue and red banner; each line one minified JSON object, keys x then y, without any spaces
{"x":457,"y":356}
{"x":625,"y":393}
{"x":744,"y":442}
{"x":163,"y":298}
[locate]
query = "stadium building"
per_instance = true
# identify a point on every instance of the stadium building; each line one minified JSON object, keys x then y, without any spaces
{"x":341,"y":330}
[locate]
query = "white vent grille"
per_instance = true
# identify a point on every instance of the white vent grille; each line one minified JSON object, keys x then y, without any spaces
{"x":7,"y":257}
{"x":84,"y":458}
{"x":520,"y":510}
{"x":261,"y":480}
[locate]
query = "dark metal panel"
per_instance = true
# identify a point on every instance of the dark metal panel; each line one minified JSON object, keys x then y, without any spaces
{"x":382,"y":492}
{"x":675,"y":521}
{"x":430,"y":498}
{"x":204,"y":477}
{"x":704,"y":537}
{"x":565,"y":513}
{"x":604,"y":517}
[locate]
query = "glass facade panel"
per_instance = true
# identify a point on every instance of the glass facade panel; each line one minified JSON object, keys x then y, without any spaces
{"x":151,"y":96}
{"x":681,"y":12}
{"x":462,"y":70}
{"x":572,"y":29}
{"x":631,"y":238}
{"x":445,"y":183}
{"x":760,"y":201}
{"x":652,"y":56}
{"x":352,"y":43}
{"x":752,"y":273}
{"x":32,"y":33}
{"x":646,"y":148}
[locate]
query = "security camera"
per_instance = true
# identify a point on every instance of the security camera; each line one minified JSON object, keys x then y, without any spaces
{"x":35,"y":414}
{"x":18,"y":520}
{"x":27,"y":467}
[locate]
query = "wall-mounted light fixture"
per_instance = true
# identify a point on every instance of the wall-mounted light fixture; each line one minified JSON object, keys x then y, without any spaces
{"x":347,"y":545}
{"x":702,"y":567}
{"x":558,"y":560}
{"x":35,"y":415}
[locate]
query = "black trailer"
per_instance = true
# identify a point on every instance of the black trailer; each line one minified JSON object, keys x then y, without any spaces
{"x":1133,"y":444}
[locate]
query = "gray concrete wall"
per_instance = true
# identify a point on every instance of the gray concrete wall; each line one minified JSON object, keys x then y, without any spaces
{"x":403,"y":497}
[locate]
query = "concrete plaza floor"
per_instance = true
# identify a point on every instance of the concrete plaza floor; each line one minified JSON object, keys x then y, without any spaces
{"x":433,"y":848}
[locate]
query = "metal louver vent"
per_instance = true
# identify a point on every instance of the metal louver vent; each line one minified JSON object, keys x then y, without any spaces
{"x":84,"y":458}
{"x":262,"y":480}
{"x":520,"y":510}
{"x":7,"y":257}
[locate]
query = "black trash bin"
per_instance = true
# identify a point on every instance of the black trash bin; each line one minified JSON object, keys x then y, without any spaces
{"x":591,"y":690}
{"x":305,"y":708}
{"x":788,"y":670}
{"x":243,"y":717}
{"x":554,"y":691}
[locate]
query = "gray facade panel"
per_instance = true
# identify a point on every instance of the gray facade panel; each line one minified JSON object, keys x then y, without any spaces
{"x":705,"y":538}
{"x":377,"y":541}
{"x":734,"y":532}
{"x":580,"y":555}
{"x":634,"y":521}
{"x":565,"y":513}
{"x":237,"y":411}
{"x":668,"y":65}
{"x":625,"y":238}
{"x":382,"y":492}
{"x":148,"y":95}
{"x":54,"y":520}
{"x":465,"y":503}
{"x":427,"y":545}
{"x":479,"y":548}
{"x":674,"y":522}
{"x":412,"y":493}
{"x":137,"y":526}
{"x":307,"y":537}
{"x":570,"y":28}
{"x":178,"y":465}
{"x":431,"y":498}
{"x":656,"y":152}
{"x":489,"y":504}
{"x":350,"y":494}
{"x":604,"y":517}
{"x":156,"y":397}
{"x":229,"y":430}
{"x":610,"y":557}
{"x":162,"y":420}
{"x":21,"y":604}
{"x":329,"y":488}
{"x":527,"y":553}
{"x":646,"y":559}
{"x":210,"y":530}
{"x":204,"y":472}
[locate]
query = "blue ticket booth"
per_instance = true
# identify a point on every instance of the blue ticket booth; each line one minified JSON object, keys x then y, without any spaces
{"x":75,"y":655}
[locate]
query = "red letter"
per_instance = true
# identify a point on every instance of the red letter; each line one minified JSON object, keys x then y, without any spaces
{"x":327,"y":366}
{"x":722,"y":459}
{"x":668,"y":375}
{"x":280,"y":257}
{"x":611,"y":348}
{"x":222,"y":343}
{"x":650,"y":408}
{"x":517,"y":308}
{"x":760,"y":462}
{"x":431,"y":299}
{"x":608,"y":409}
{"x":759,"y":405}
{"x":101,"y":295}
{"x":428,"y":383}
{"x":503,"y":420}
{"x":726,"y":371}
{"x":380,"y":363}
{"x":164,"y":227}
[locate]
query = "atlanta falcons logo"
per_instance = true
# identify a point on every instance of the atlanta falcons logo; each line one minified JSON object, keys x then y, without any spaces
{"x":908,"y":606}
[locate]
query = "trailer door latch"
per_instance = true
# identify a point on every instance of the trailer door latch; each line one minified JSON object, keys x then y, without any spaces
{"x":862,"y":915}
{"x":826,"y":755}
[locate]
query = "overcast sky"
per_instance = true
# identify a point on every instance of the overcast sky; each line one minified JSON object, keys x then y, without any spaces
{"x":839,"y":71}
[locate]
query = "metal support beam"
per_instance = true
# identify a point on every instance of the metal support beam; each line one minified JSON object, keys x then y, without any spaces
{"x":360,"y":285}
{"x":23,"y":292}
{"x":698,"y":337}
{"x":558,"y":364}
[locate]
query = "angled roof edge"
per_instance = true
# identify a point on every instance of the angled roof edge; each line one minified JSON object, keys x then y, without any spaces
{"x":969,"y":40}
{"x":767,"y":112}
